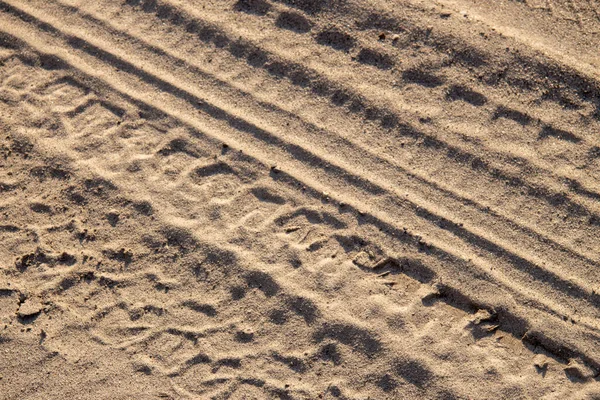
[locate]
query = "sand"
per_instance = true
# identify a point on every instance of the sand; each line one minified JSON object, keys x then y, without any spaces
{"x":299,"y":199}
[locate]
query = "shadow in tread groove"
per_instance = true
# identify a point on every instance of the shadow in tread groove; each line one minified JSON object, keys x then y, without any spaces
{"x":463,"y":93}
{"x":336,"y":39}
{"x":422,"y":77}
{"x":293,"y":21}
{"x":549,"y":131}
{"x":509,"y":113}
{"x":258,"y":7}
{"x":375,"y":58}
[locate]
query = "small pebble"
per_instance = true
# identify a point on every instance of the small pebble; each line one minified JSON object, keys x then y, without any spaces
{"x":29,"y":309}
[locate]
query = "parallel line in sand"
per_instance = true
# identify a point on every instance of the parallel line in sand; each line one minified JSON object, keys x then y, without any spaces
{"x":284,"y":35}
{"x":181,"y":117}
{"x":512,"y":159}
{"x":258,"y":153}
{"x":463,"y":198}
{"x":586,"y":76}
{"x":489,"y":245}
{"x":568,"y":285}
{"x":578,"y":189}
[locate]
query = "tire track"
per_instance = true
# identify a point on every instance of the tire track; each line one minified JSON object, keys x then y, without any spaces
{"x":313,"y":185}
{"x":553,"y":196}
{"x":543,"y":275}
{"x":379,"y":161}
{"x":208,"y":23}
{"x":382,"y":160}
{"x":494,"y":248}
{"x":142,"y":337}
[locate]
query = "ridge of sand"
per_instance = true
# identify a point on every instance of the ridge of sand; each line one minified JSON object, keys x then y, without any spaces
{"x":295,"y":199}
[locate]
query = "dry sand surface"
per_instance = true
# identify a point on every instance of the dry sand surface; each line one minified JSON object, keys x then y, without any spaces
{"x":299,"y":199}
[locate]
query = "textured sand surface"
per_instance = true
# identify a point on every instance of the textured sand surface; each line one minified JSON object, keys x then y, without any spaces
{"x":299,"y":199}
